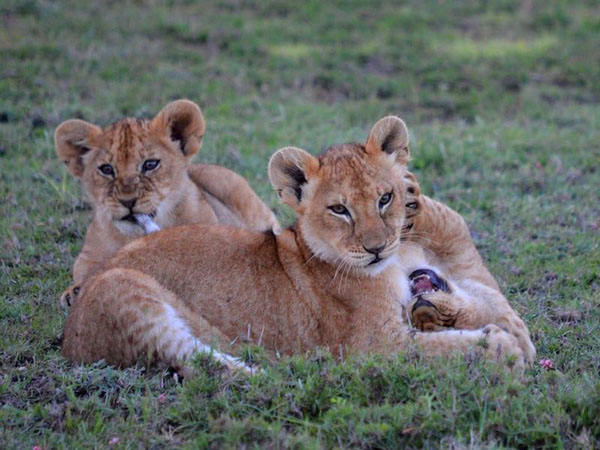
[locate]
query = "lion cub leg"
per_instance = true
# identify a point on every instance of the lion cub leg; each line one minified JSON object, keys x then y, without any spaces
{"x":497,"y":344}
{"x":412,"y":204}
{"x":434,"y":311}
{"x":123,"y":316}
{"x":434,"y":307}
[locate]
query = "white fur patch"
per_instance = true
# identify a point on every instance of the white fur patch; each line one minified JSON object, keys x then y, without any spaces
{"x":378,"y":268}
{"x":180,"y":344}
{"x":129,"y":228}
{"x":409,"y":258}
{"x":476,"y":333}
{"x":146,"y":222}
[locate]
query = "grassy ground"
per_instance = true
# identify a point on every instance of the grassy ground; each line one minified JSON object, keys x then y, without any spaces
{"x":502,"y":100}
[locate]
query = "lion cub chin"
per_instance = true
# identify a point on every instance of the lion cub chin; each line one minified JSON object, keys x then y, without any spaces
{"x":138,"y":177}
{"x":327,"y":281}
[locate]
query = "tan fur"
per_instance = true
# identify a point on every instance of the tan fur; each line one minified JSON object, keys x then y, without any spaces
{"x":175,"y":193}
{"x":311,"y":286}
{"x":476,"y":299}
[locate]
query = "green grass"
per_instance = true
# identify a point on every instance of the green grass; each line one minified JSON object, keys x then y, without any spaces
{"x":502,"y":101}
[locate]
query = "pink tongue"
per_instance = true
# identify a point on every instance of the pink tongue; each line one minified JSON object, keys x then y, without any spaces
{"x":421,"y":285}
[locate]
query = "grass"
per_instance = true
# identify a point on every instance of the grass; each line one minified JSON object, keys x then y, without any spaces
{"x":502,"y":100}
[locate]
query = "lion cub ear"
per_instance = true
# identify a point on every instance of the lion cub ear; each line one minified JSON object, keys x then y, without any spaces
{"x":289,"y":170}
{"x":389,"y":135}
{"x":183,"y":123}
{"x":72,"y":140}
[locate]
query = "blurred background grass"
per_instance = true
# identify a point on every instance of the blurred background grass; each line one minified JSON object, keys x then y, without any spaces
{"x":502,"y":102}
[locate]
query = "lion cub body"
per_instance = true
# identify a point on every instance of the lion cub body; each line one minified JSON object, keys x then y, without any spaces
{"x":475,"y":299}
{"x":331,"y":280}
{"x":141,"y":167}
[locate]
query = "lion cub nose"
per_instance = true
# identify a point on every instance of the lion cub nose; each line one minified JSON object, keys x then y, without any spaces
{"x":128,"y":203}
{"x":374,"y":250}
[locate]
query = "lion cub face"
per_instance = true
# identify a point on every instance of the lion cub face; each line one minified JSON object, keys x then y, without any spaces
{"x":133,"y":166}
{"x":350,"y":200}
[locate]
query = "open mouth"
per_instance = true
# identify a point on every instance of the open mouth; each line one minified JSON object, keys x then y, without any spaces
{"x":145,"y":221}
{"x":426,"y":280}
{"x":133,"y":217}
{"x":375,"y":261}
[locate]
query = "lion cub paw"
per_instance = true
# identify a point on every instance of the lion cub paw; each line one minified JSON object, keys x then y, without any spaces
{"x":67,"y":298}
{"x":433,"y":307}
{"x":434,"y":311}
{"x":412,"y":204}
{"x":517,"y":328}
{"x":503,"y":347}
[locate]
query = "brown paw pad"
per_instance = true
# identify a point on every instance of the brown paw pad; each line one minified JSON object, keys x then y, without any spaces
{"x":426,"y":317}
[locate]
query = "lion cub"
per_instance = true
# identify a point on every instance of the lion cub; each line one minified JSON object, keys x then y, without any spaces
{"x":333,"y":279}
{"x":138,"y":176}
{"x":451,"y":287}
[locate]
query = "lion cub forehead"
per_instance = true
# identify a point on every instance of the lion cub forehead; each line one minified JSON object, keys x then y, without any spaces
{"x":349,"y":165}
{"x":127,"y":135}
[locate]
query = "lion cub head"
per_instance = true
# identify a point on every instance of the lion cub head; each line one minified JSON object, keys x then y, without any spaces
{"x":350,"y":200}
{"x":133,"y":167}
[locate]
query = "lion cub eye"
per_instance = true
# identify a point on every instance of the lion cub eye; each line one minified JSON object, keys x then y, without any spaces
{"x":339,"y":209}
{"x":385,"y":199}
{"x":150,"y":164}
{"x":107,"y":170}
